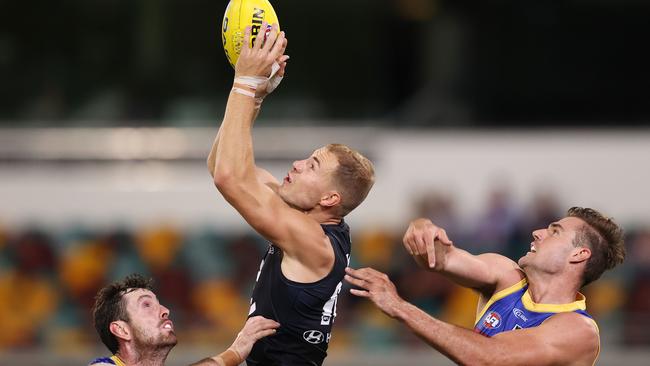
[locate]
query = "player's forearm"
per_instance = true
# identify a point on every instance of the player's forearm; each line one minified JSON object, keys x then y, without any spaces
{"x":457,"y":272}
{"x":229,"y":357}
{"x":461,"y":345}
{"x":233,"y":148}
{"x":468,"y":270}
{"x":212,"y":361}
{"x":213,"y":151}
{"x":212,"y":157}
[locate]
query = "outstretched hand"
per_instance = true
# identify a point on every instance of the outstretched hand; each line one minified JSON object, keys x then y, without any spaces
{"x":257,"y":59}
{"x":255,"y":328}
{"x":420,"y":241}
{"x":377,"y":287}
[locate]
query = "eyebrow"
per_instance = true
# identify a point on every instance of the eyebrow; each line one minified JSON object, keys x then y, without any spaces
{"x":316,"y":159}
{"x":556,"y":225}
{"x":144,"y":295}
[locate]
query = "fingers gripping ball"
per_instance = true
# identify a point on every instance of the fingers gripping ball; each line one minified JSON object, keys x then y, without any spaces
{"x":239,"y":15}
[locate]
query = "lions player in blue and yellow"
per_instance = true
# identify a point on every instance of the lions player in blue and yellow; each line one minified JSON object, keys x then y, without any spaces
{"x":530,"y":312}
{"x":137,"y":329}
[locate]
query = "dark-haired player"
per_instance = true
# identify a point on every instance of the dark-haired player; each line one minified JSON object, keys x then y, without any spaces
{"x":530,"y":313}
{"x":137,"y":329}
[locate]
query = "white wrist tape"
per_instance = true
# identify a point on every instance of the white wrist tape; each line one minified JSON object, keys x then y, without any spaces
{"x":255,"y":82}
{"x":243,"y":92}
{"x":274,"y":79}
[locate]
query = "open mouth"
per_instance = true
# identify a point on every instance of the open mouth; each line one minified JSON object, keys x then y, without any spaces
{"x":532,"y":248}
{"x":287,"y":179}
{"x":168,"y":325}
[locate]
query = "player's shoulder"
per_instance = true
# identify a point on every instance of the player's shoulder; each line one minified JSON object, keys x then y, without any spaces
{"x":498,"y":259}
{"x":574,"y":322}
{"x":574,"y":332}
{"x":506,"y":271}
{"x":102,"y":361}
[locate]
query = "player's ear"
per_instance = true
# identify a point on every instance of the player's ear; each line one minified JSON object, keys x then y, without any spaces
{"x":330,"y":199}
{"x":580,"y":254}
{"x":121,"y":329}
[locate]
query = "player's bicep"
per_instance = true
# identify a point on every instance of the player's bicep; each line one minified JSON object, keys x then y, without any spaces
{"x":258,"y":204}
{"x":266,"y":178}
{"x":271,"y":217}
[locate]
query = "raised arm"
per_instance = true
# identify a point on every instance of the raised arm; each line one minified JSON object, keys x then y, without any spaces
{"x":249,"y":190}
{"x":260,"y":94}
{"x":563,"y":339}
{"x":432,"y":249}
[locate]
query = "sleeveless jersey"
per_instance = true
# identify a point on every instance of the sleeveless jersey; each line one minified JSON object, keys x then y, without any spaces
{"x":513,"y":308}
{"x":305,"y":311}
{"x":106,"y":361}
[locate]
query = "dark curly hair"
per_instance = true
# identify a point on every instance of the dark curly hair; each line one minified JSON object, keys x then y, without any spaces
{"x":109,"y":306}
{"x":605,"y":239}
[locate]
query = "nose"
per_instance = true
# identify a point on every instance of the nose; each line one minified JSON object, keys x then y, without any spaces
{"x":164,"y":312}
{"x":296,"y":165}
{"x":538,"y":234}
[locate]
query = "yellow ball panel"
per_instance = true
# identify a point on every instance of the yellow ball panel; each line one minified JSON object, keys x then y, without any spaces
{"x":239,"y":15}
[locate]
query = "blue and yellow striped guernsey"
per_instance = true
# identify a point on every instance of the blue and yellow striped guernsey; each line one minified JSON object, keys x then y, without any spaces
{"x":513,"y":308}
{"x":107,"y":361}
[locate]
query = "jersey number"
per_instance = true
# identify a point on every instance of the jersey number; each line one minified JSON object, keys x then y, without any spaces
{"x":253,"y":307}
{"x":329,"y":310}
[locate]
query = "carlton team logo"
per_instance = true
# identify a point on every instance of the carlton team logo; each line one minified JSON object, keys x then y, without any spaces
{"x":492,"y":320}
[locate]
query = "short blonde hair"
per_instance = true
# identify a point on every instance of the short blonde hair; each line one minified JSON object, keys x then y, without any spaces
{"x":354,"y":176}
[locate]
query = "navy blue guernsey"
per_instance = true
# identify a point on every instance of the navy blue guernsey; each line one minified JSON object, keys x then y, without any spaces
{"x":305,"y":311}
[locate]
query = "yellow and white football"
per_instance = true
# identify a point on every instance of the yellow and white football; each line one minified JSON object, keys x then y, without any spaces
{"x":239,"y":15}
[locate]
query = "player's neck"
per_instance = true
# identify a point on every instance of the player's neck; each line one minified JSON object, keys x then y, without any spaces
{"x":330,"y":221}
{"x":551,"y":289}
{"x":324,"y":217}
{"x":147,"y":357}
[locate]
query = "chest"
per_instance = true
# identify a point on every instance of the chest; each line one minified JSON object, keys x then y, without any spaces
{"x":508,"y":314}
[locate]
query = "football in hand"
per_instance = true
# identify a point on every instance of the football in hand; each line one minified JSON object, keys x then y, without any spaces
{"x":239,"y":15}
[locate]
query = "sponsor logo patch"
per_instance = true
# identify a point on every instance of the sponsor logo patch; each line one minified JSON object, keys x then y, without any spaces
{"x":313,"y":336}
{"x":520,"y":314}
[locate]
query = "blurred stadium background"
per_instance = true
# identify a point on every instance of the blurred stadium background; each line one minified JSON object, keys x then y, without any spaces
{"x":491,"y":118}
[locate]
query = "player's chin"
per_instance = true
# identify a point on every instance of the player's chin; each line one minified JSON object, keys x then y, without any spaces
{"x":523,"y":261}
{"x":169,"y":339}
{"x":282,"y":192}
